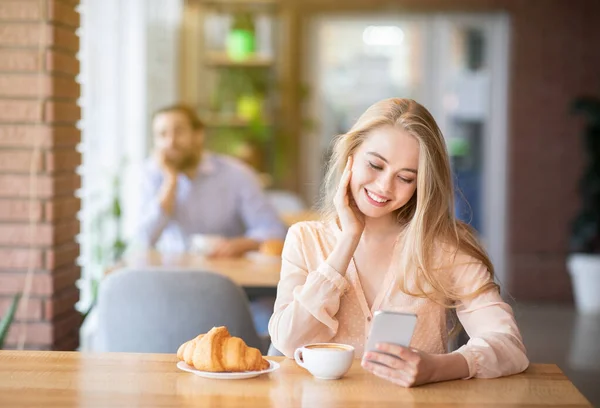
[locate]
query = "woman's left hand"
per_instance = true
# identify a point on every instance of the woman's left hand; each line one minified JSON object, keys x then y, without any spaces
{"x":404,"y":366}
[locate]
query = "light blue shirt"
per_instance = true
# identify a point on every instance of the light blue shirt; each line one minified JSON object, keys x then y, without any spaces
{"x":225,"y":198}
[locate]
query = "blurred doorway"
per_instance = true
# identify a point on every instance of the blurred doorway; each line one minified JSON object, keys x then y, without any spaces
{"x":454,"y":64}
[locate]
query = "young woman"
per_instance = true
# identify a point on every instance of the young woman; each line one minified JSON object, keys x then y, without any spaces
{"x":390,"y":241}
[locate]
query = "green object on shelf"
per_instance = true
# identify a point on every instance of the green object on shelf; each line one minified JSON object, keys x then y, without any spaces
{"x":249,"y":107}
{"x":240,"y":44}
{"x":234,"y":83}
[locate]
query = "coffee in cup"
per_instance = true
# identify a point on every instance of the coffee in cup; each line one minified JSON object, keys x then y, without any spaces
{"x":326,"y":361}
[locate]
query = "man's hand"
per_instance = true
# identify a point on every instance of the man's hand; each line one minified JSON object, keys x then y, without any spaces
{"x":169,"y":171}
{"x":233,"y":248}
{"x":168,"y":190}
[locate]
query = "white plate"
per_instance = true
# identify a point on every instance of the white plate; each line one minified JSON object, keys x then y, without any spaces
{"x":273,"y":365}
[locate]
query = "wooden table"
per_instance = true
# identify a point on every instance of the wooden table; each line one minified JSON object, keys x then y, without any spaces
{"x":290,"y":218}
{"x":247,"y":272}
{"x":67,"y":379}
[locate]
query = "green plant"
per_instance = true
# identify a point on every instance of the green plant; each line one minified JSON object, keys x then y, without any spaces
{"x":585,"y":235}
{"x":250,"y":94}
{"x":241,"y":93}
{"x":236,"y":82}
{"x":241,"y":41}
{"x":8,"y":319}
{"x":106,"y":239}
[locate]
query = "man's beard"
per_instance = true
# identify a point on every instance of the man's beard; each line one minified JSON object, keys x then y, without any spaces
{"x":185,"y":162}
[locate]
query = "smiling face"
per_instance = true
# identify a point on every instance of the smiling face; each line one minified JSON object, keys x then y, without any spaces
{"x":384,"y":173}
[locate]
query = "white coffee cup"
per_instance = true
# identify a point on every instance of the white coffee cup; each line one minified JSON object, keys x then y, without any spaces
{"x":204,"y":244}
{"x":326,"y":361}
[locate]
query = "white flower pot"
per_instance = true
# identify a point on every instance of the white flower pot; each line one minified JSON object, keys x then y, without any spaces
{"x":585,"y":277}
{"x":584,"y":349}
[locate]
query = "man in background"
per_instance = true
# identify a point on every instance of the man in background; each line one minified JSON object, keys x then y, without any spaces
{"x":187,"y":190}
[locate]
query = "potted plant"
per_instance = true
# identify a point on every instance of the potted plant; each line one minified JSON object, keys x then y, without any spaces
{"x":584,"y":261}
{"x":240,"y":92}
{"x":240,"y":41}
{"x":251,"y":93}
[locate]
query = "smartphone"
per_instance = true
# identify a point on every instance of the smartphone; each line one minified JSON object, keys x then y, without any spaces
{"x":391,"y":327}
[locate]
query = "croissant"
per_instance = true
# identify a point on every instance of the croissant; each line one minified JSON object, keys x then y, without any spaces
{"x":186,"y":350}
{"x":217,"y":351}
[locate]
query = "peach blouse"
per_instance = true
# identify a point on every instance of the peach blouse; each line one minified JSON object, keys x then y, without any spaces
{"x":315,"y":303}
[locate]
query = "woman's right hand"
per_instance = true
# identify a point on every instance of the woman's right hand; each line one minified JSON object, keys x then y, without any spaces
{"x":351,"y":219}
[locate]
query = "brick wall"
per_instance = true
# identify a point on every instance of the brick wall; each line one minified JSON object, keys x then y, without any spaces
{"x":38,"y":115}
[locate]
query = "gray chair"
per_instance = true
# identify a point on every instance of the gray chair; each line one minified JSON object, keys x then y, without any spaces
{"x":155,"y":311}
{"x":273,"y":351}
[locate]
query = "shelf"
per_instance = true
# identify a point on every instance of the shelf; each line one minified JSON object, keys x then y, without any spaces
{"x":214,"y":121}
{"x":220,"y":80}
{"x":239,"y":2}
{"x":220,"y":59}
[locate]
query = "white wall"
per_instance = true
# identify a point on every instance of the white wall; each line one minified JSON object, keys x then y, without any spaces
{"x":129,"y":67}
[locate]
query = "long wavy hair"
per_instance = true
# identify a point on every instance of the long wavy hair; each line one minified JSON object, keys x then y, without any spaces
{"x":428,"y":221}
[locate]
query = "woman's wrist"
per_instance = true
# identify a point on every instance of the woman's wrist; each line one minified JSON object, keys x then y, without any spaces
{"x":452,"y":366}
{"x":342,"y":253}
{"x":346,"y":245}
{"x":351,"y":240}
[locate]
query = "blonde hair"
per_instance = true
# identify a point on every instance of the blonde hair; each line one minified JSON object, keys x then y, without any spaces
{"x":428,"y":217}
